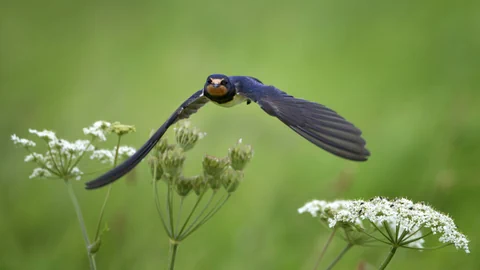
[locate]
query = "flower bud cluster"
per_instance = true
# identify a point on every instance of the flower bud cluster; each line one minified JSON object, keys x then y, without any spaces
{"x":166,"y":162}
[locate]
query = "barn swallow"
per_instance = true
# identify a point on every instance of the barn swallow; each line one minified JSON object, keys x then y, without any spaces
{"x":315,"y":122}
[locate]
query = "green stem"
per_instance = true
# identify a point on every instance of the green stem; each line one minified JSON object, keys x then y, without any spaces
{"x":179,"y":214}
{"x":179,"y":236}
{"x":191,"y":214}
{"x":169,"y":202}
{"x":157,"y":202}
{"x":347,"y":248}
{"x":107,"y":195}
{"x":60,"y":172}
{"x":389,"y":232}
{"x":78,"y":159}
{"x":81,"y":222}
{"x":324,"y":250}
{"x":380,"y":231}
{"x":389,"y":258}
{"x":172,"y":254}
{"x":209,"y":215}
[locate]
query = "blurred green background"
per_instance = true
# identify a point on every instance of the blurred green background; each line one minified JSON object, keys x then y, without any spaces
{"x":405,"y":72}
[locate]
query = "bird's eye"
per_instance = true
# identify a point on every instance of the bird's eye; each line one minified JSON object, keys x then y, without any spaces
{"x":223,"y":82}
{"x":209,"y":81}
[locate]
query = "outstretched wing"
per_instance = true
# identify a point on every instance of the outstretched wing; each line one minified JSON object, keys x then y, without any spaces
{"x":315,"y":122}
{"x":189,"y":107}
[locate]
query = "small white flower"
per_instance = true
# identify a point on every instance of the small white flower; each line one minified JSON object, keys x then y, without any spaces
{"x":23,"y":142}
{"x":40,"y":173}
{"x":35,"y":157}
{"x":389,"y":215}
{"x":45,"y":134}
{"x":97,"y":130}
{"x":108,"y":156}
{"x":103,"y":155}
{"x":125,"y":151}
{"x":75,"y":172}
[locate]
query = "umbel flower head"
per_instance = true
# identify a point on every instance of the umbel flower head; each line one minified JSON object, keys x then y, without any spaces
{"x":167,"y":161}
{"x":397,"y":222}
{"x":61,"y":157}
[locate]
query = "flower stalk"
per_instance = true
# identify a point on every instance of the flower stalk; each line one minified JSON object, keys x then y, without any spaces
{"x":340,"y":256}
{"x":166,"y":165}
{"x":393,"y":249}
{"x":61,"y":161}
{"x":81,"y":222}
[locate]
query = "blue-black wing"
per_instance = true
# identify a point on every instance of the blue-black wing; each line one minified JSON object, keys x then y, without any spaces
{"x":315,"y":122}
{"x":189,"y":107}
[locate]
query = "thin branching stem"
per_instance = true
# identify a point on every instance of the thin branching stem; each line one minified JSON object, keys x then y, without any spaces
{"x":415,"y":239}
{"x":199,"y":198}
{"x":378,"y":229}
{"x":347,"y":248}
{"x":432,"y":248}
{"x":210,"y":214}
{"x":412,"y":234}
{"x":172,"y":254}
{"x":80,"y":157}
{"x":170,"y":205}
{"x":325,"y":247}
{"x":179,"y":214}
{"x":390,"y":233}
{"x":180,"y":236}
{"x":389,"y":258}
{"x":81,"y":222}
{"x":157,"y":202}
{"x":376,"y":238}
{"x":107,"y":195}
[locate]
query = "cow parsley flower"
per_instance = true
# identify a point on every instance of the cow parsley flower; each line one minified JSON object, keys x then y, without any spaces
{"x":47,"y":135}
{"x":40,"y":173}
{"x":398,"y":222}
{"x":98,"y":130}
{"x":22,"y":142}
{"x":108,"y":156}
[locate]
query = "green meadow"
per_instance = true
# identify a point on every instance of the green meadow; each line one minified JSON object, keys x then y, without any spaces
{"x":405,"y":72}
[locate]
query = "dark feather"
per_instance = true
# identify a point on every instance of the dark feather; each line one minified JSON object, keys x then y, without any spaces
{"x":315,"y":122}
{"x":189,"y":107}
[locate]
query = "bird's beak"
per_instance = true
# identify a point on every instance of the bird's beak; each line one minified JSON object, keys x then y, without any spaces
{"x":216,"y":85}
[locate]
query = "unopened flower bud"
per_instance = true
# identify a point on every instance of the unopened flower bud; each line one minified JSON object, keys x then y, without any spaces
{"x":199,"y":184}
{"x":155,"y":167}
{"x":187,"y":136}
{"x":240,"y":155}
{"x":184,"y":185}
{"x":162,"y":145}
{"x":214,"y":166}
{"x":231,"y":179}
{"x":172,"y":162}
{"x":121,"y":129}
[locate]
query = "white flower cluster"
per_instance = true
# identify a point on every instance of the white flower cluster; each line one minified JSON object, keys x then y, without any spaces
{"x":22,"y":142}
{"x":410,"y":219}
{"x":61,"y":157}
{"x":108,"y":156}
{"x":98,"y":130}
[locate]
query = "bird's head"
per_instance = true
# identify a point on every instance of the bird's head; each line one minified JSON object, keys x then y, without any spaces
{"x":218,"y":86}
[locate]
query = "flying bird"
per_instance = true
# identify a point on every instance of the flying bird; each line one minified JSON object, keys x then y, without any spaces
{"x":315,"y":122}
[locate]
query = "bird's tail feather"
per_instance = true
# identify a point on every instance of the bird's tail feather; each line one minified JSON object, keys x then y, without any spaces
{"x":131,"y":162}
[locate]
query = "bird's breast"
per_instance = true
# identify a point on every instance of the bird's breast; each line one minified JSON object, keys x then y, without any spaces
{"x":237,"y":99}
